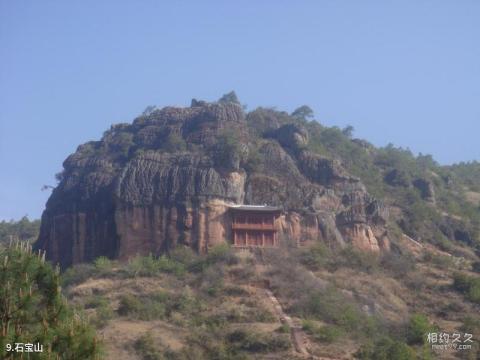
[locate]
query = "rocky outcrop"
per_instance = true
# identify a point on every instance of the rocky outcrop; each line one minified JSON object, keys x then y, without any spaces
{"x":291,"y":136}
{"x":169,"y":177}
{"x":426,"y":188}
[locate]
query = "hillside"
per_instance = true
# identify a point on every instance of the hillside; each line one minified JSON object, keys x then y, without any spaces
{"x":285,"y":303}
{"x":377,"y":247}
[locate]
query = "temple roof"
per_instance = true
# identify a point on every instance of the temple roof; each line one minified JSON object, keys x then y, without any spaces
{"x":265,"y":208}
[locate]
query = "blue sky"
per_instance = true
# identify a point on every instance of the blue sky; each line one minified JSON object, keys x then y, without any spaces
{"x":406,"y":72}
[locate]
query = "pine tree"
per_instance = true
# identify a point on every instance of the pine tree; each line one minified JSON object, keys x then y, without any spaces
{"x":33,"y":309}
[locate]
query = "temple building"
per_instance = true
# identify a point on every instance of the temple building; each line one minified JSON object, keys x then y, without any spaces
{"x":254,"y":225}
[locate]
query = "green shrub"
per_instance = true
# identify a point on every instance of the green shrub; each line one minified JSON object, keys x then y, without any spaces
{"x":160,"y":304}
{"x":145,"y":346}
{"x":129,"y":304}
{"x":227,"y":152}
{"x":386,"y":349}
{"x":95,"y":301}
{"x":103,"y":310}
{"x":315,"y":257}
{"x":283,"y":329}
{"x":396,"y":264}
{"x":245,"y":272}
{"x":184,"y":255}
{"x":230,"y":97}
{"x":102,"y":315}
{"x":256,"y":342}
{"x":141,"y":308}
{"x":228,"y":313}
{"x":417,"y":329}
{"x":350,"y":318}
{"x":233,"y":290}
{"x":185,"y":303}
{"x":212,"y":280}
{"x":78,"y":274}
{"x":329,"y":306}
{"x":360,"y":260}
{"x":471,"y":324}
{"x":103,"y":264}
{"x":174,"y":143}
{"x":152,"y":266}
{"x":122,"y":143}
{"x":329,"y":333}
{"x":260,"y":314}
{"x":326,"y":333}
{"x":443,"y":261}
{"x":205,"y":345}
{"x":167,"y":265}
{"x":468,"y":285}
{"x":219,"y":254}
{"x":253,"y":162}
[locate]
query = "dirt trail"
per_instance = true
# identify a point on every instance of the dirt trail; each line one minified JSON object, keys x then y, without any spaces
{"x":299,"y":338}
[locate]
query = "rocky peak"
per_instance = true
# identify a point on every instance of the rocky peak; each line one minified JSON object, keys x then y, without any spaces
{"x":168,"y":177}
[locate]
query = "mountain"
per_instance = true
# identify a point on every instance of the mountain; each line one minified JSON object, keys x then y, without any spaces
{"x":170,"y":176}
{"x":376,"y":248}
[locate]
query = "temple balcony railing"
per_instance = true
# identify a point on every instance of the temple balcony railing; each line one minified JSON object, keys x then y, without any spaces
{"x":243,"y":246}
{"x":236,"y":226}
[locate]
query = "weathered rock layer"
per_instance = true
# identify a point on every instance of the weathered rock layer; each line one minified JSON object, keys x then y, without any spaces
{"x":168,"y":178}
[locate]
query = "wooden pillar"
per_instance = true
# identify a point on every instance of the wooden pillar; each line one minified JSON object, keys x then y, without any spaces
{"x":263,"y":238}
{"x":246,"y":238}
{"x":274,"y":231}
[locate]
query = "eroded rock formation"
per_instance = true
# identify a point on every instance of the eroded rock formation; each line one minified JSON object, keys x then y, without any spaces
{"x":169,"y":177}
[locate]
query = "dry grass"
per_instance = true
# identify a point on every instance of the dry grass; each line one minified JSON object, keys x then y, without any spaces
{"x":240,"y":298}
{"x":473,"y":197}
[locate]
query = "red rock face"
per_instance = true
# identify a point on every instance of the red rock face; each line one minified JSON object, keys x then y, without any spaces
{"x":156,"y":229}
{"x":167,"y":179}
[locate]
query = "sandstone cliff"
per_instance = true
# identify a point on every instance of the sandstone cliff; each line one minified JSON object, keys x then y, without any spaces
{"x":169,"y":177}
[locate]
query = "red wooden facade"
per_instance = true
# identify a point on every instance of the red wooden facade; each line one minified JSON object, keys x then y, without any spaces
{"x":254,"y":226}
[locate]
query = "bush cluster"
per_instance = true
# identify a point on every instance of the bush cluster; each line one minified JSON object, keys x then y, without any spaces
{"x":386,"y":349}
{"x":469,"y":286}
{"x":330,"y":306}
{"x":255,"y":342}
{"x":326,"y":333}
{"x":151,"y":266}
{"x":103,"y":310}
{"x":160,"y":305}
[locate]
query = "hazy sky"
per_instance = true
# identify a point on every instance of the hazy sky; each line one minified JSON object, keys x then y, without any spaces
{"x":406,"y":72}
